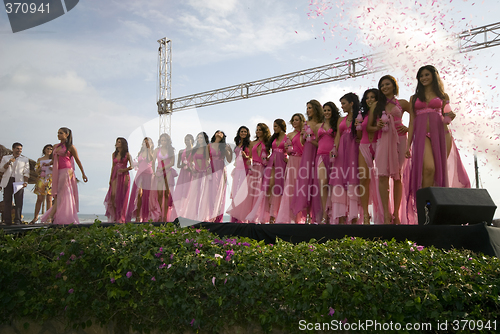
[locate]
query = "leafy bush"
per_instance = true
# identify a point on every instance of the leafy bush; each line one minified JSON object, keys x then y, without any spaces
{"x":171,"y":279}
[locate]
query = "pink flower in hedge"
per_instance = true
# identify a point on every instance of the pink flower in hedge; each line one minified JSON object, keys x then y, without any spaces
{"x":171,"y":256}
{"x":158,"y":254}
{"x":161,"y":249}
{"x":213,"y":281}
{"x":198,"y":231}
{"x":129,"y":274}
{"x":187,"y":241}
{"x":153,"y":278}
{"x":344,"y":321}
{"x":61,"y":254}
{"x":385,"y":243}
{"x":197,"y":251}
{"x":352,"y":238}
{"x":420,"y":248}
{"x":168,"y":267}
{"x":331,"y":312}
{"x":73,"y":257}
{"x":58,"y":275}
{"x":71,"y":291}
{"x":218,"y":255}
{"x":225,"y":281}
{"x":112,"y":280}
{"x":192,"y":322}
{"x":411,"y":249}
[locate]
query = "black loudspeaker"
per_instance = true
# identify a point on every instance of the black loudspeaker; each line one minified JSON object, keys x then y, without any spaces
{"x":454,"y":206}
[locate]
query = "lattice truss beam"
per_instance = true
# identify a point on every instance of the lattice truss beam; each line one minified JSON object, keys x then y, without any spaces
{"x":474,"y":39}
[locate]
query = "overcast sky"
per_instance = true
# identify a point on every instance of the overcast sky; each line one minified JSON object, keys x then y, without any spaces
{"x":94,"y":70}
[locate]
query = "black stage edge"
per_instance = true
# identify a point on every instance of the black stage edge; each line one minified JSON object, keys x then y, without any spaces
{"x":478,"y":238}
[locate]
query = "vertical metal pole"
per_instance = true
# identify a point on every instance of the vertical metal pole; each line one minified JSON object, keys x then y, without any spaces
{"x":164,"y":94}
{"x":476,"y":171}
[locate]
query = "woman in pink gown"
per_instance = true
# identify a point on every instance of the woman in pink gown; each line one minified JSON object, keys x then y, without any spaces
{"x":307,"y":194}
{"x":199,"y":198}
{"x":266,"y":207}
{"x":391,"y":147}
{"x":258,"y":154}
{"x":432,"y":141}
{"x":185,"y":176}
{"x":293,"y":147}
{"x":220,"y":152}
{"x":164,"y":181}
{"x":344,"y":180}
{"x":116,"y":201}
{"x":368,"y":136}
{"x":239,"y":189}
{"x":64,"y":187}
{"x":139,"y":205}
{"x":326,"y":139}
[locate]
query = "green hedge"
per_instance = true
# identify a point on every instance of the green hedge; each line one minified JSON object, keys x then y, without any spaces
{"x":172,"y":279}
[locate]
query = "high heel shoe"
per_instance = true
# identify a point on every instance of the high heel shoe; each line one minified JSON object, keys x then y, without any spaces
{"x":366,"y":219}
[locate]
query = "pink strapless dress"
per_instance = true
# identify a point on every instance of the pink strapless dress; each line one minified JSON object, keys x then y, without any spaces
{"x":143,"y":182}
{"x":116,"y":210}
{"x":218,"y":183}
{"x":326,"y":142}
{"x":163,"y":206}
{"x":239,"y":186}
{"x":182,"y":187}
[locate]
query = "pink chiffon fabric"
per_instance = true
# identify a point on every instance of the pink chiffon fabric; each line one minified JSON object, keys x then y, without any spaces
{"x":326,"y":142}
{"x":181,"y":190}
{"x":285,"y":213}
{"x":239,"y":188}
{"x":64,"y":189}
{"x":198,"y":207}
{"x":116,"y":210}
{"x":218,"y":183}
{"x":446,"y":168}
{"x":306,"y":192}
{"x":266,"y":206}
{"x":143,"y":183}
{"x":161,"y":205}
{"x":344,"y":177}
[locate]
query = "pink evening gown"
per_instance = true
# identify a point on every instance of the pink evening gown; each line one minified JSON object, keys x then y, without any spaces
{"x":344,"y":180}
{"x":446,"y":168}
{"x":306,"y":193}
{"x":326,"y":142}
{"x":166,"y":207}
{"x":116,"y":210}
{"x":218,"y":183}
{"x":239,"y":189}
{"x":285,"y":213}
{"x":143,"y":182}
{"x":367,"y":149}
{"x":64,"y":189}
{"x":198,"y":203}
{"x":182,"y":187}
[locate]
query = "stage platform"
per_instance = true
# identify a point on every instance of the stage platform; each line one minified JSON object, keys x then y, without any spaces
{"x":479,"y":238}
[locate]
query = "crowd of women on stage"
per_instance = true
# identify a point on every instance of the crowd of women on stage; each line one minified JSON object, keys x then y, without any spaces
{"x":362,"y":168}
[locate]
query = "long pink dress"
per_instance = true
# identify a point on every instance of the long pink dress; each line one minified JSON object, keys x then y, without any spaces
{"x":390,"y":156}
{"x":239,"y":188}
{"x":367,"y":150}
{"x":143,"y":182}
{"x":116,"y":210}
{"x":445,"y":168}
{"x":198,"y":204}
{"x":182,"y":187}
{"x":218,"y":183}
{"x":64,"y":189}
{"x":285,"y":213}
{"x":326,"y":142}
{"x":267,"y":206}
{"x":306,"y":191}
{"x":344,"y":177}
{"x":166,"y":207}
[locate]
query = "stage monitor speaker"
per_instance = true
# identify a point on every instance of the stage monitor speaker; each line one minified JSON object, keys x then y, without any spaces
{"x":454,"y":206}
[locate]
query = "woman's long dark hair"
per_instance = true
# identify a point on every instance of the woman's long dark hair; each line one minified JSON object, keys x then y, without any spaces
{"x":335,"y":116}
{"x":197,"y":146}
{"x":282,"y":124}
{"x":124,"y":149}
{"x":45,"y":147}
{"x":364,"y":107}
{"x":354,"y":99}
{"x":437,"y":85}
{"x":267,"y":133}
{"x":148,"y":149}
{"x":382,"y":99}
{"x":69,"y":140}
{"x":245,"y":142}
{"x":170,"y":148}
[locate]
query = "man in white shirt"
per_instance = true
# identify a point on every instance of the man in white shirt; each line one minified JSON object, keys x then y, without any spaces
{"x":16,"y":169}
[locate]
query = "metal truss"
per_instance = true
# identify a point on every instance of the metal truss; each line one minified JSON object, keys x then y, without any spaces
{"x":313,"y":76}
{"x":163,"y":95}
{"x":479,"y":38}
